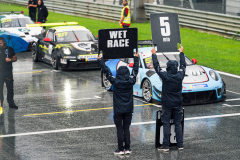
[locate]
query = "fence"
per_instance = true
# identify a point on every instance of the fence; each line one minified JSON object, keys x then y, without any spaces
{"x":221,"y":23}
{"x":79,"y":8}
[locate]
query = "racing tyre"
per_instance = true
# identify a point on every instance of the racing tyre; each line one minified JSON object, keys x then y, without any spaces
{"x":147,"y":90}
{"x":107,"y":85}
{"x":34,"y":51}
{"x":55,"y":61}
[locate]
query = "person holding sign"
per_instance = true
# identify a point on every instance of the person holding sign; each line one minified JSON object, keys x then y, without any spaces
{"x":122,"y":101}
{"x":171,"y":97}
{"x":7,"y":56}
{"x":125,"y":16}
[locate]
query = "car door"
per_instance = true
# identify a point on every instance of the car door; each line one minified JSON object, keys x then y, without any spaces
{"x":47,"y":46}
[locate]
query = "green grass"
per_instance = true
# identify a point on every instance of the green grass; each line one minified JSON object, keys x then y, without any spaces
{"x":210,"y":50}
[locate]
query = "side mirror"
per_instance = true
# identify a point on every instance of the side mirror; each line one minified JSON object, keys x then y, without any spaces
{"x":194,"y":61}
{"x":47,"y":40}
{"x":131,"y":65}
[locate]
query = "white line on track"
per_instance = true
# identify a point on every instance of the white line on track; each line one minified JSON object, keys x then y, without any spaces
{"x":233,"y":92}
{"x":238,"y":99}
{"x":95,"y":97}
{"x":227,"y":105}
{"x":109,"y":126}
{"x":228,"y":74}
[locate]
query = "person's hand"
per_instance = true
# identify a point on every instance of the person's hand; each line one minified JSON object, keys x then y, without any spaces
{"x":27,"y":6}
{"x":8,"y":60}
{"x":119,"y":22}
{"x":136,"y":54}
{"x":181,"y":48}
{"x":153,"y":50}
{"x":99,"y":56}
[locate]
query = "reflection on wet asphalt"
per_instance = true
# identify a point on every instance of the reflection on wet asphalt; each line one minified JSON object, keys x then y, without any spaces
{"x":75,"y":101}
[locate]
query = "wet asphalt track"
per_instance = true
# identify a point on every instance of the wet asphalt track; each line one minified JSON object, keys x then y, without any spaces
{"x":68,"y":115}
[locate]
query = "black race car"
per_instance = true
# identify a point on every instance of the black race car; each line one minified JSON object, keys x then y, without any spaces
{"x":66,"y":47}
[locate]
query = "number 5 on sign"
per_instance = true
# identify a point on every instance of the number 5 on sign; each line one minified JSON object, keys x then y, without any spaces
{"x":166,"y":30}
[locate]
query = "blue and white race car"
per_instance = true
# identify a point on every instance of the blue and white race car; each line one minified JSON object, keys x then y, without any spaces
{"x":200,"y":85}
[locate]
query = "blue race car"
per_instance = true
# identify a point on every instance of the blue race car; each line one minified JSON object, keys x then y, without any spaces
{"x":200,"y":85}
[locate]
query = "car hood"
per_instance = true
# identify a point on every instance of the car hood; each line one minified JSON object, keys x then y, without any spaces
{"x":194,"y":74}
{"x":22,"y":30}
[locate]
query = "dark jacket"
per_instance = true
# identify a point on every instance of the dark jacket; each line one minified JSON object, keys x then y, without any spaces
{"x":6,"y":67}
{"x":172,"y":81}
{"x":42,"y":13}
{"x":122,"y":86}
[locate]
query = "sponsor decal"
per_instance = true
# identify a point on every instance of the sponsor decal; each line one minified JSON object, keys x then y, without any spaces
{"x":184,"y":87}
{"x":44,"y":48}
{"x":24,"y":30}
{"x":198,"y":86}
{"x":58,"y":46}
{"x":63,"y":61}
{"x":91,"y":59}
{"x":70,"y":57}
{"x":136,"y":93}
{"x":6,"y":20}
{"x":29,"y":40}
{"x":87,"y":56}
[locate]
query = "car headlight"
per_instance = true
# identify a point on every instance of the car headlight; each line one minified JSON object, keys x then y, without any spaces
{"x":66,"y":50}
{"x":213,"y":75}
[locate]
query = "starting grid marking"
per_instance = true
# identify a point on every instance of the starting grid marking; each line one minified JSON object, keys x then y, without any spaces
{"x":27,"y":72}
{"x":38,"y":114}
{"x":109,"y":126}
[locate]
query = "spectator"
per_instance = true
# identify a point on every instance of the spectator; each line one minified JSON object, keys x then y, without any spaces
{"x":32,"y":6}
{"x":42,"y":12}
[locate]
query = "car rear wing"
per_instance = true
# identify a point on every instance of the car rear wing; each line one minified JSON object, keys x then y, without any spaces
{"x":141,"y":43}
{"x":51,"y":24}
{"x":12,"y":12}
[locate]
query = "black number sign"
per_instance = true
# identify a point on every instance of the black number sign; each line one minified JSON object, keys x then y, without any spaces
{"x":165,"y":31}
{"x":117,"y":43}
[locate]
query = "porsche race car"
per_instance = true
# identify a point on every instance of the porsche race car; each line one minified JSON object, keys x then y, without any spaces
{"x":200,"y":85}
{"x":66,"y":47}
{"x":16,"y":22}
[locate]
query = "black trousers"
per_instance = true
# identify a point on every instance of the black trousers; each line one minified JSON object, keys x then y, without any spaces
{"x":32,"y":15}
{"x":123,"y":122}
{"x":8,"y":79}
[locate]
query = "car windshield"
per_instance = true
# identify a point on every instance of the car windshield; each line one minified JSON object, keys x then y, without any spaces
{"x":163,"y":60}
{"x":84,"y":35}
{"x":68,"y":36}
{"x":15,"y":22}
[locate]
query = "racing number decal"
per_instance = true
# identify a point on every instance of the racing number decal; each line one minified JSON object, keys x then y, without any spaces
{"x":62,"y":34}
{"x":172,"y":134}
{"x":165,"y":26}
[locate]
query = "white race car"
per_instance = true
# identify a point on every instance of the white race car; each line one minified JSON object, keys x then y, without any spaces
{"x":16,"y":23}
